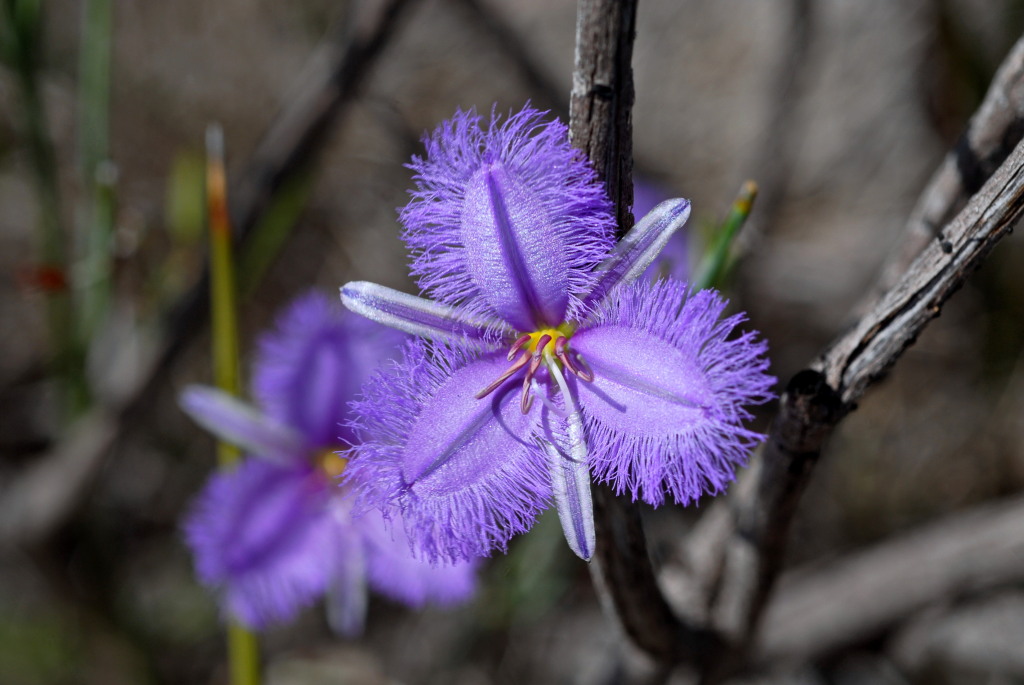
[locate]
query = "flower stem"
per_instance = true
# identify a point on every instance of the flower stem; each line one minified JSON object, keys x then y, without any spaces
{"x":243,"y":655}
{"x":223,"y":304}
{"x":243,"y":651}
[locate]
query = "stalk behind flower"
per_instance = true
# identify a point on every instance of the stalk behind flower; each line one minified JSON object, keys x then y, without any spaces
{"x":243,"y":651}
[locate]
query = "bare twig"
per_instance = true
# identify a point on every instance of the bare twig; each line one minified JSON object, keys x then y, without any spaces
{"x":601,"y":125}
{"x":818,"y":611}
{"x":818,"y":398}
{"x":974,"y":637}
{"x":601,"y":103}
{"x":866,"y":352}
{"x":992,"y":133}
{"x":808,"y":410}
{"x":333,"y":80}
{"x":52,"y":487}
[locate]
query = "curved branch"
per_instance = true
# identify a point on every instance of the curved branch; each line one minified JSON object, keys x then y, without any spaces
{"x":992,"y":133}
{"x":818,"y":398}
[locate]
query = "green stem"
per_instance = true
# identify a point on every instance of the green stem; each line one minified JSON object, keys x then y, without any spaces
{"x":243,"y":650}
{"x":717,"y":262}
{"x":243,"y":655}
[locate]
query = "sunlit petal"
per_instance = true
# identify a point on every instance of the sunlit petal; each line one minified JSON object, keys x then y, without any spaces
{"x":507,"y":219}
{"x":463,"y":472}
{"x":665,"y":411}
{"x":638,"y":248}
{"x":422,"y":317}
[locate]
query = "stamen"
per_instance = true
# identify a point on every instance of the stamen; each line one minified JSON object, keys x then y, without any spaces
{"x":582,"y":373}
{"x":532,"y":356}
{"x":527,"y":400}
{"x":541,"y":344}
{"x":518,"y":345}
{"x":518,"y":364}
{"x":560,"y":346}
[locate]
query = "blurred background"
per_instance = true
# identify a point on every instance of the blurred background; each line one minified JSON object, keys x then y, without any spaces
{"x":840,"y":110}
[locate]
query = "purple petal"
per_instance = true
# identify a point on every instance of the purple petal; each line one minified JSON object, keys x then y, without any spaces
{"x":313,"y":363}
{"x":507,"y":221}
{"x":464,"y":472}
{"x":666,"y":408}
{"x":504,"y":229}
{"x":347,"y":594}
{"x":263,"y":539}
{"x":570,"y":481}
{"x":638,"y":248}
{"x":422,"y":317}
{"x":396,"y":573}
{"x":236,"y":422}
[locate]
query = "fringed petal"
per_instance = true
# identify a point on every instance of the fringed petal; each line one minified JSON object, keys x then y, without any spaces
{"x":263,"y":540}
{"x":394,"y":572}
{"x":463,"y":472}
{"x":666,"y":408}
{"x":507,"y":221}
{"x":308,"y":369}
{"x":637,"y":249}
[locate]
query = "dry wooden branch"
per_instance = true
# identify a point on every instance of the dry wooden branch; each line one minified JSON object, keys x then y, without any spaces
{"x":866,"y":352}
{"x":993,"y":131}
{"x":818,"y":611}
{"x":332,"y":81}
{"x":601,"y":103}
{"x":979,"y":638}
{"x":601,"y":125}
{"x":818,"y":398}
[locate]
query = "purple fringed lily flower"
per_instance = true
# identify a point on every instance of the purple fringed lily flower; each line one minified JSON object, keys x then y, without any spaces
{"x":276,"y":533}
{"x":637,"y":384}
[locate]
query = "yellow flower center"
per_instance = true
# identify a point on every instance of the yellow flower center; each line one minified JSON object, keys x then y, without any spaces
{"x":530,"y":350}
{"x":553,"y":334}
{"x":330,"y":463}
